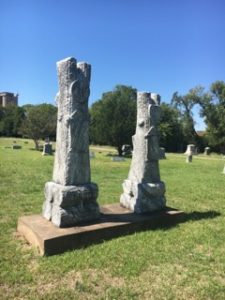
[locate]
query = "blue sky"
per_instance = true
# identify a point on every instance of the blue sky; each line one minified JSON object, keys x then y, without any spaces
{"x":160,"y":46}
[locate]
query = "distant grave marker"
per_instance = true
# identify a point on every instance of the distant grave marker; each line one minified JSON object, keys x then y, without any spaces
{"x":191,"y":150}
{"x":127,"y":150}
{"x":189,"y":158}
{"x":47,"y":149}
{"x":207,"y":151}
{"x":118,"y":158}
{"x":15,"y":147}
{"x":223,"y":170}
{"x":162,"y":154}
{"x":92,"y":154}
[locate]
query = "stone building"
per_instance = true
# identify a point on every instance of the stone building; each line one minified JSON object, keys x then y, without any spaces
{"x":7,"y":99}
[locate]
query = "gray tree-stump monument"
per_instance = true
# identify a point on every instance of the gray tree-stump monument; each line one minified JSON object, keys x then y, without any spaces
{"x":70,"y":197}
{"x":143,"y":191}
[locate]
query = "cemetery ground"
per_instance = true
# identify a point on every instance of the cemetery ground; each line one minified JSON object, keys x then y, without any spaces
{"x":186,"y":261}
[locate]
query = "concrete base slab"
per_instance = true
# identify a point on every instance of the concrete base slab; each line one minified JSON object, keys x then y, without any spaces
{"x":115,"y":221}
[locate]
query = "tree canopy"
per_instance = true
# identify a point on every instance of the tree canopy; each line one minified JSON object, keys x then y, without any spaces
{"x":39,"y":122}
{"x":170,"y":128}
{"x":213,"y":110}
{"x":11,"y":118}
{"x":185,"y":104}
{"x":113,"y":117}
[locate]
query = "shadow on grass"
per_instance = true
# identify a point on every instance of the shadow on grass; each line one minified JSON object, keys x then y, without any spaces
{"x":164,"y":219}
{"x":197,"y":215}
{"x":114,"y":222}
{"x":192,"y":216}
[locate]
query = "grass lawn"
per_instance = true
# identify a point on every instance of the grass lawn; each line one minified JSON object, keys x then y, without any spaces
{"x":186,"y":261}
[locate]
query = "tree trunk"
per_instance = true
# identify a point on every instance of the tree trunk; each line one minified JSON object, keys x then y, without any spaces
{"x":119,"y":149}
{"x":36,"y":145}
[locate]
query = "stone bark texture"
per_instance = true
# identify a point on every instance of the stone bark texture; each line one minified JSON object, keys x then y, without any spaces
{"x":71,"y":197}
{"x":143,"y":191}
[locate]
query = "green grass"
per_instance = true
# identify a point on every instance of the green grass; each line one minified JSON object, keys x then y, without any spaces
{"x":186,"y":261}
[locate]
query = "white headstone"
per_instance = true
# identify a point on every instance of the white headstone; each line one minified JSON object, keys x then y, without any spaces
{"x":191,"y":149}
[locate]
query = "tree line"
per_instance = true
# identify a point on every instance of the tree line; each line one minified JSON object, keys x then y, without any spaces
{"x":113,"y":119}
{"x":29,"y":121}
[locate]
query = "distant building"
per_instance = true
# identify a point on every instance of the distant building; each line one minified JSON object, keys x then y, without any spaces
{"x":7,"y":99}
{"x":201,"y":132}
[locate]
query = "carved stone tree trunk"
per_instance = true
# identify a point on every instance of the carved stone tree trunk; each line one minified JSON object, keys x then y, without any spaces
{"x":143,"y":191}
{"x":71,"y":197}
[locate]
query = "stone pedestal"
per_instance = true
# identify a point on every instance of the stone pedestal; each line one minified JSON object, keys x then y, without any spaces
{"x":71,"y":197}
{"x":143,"y":191}
{"x":69,"y":205}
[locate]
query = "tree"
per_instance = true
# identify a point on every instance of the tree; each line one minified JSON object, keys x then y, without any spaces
{"x":11,"y":118}
{"x":213,"y":110}
{"x":113,"y":118}
{"x":170,"y":128}
{"x":185,"y":105}
{"x":40,"y":122}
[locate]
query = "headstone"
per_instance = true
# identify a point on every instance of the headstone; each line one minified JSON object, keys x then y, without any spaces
{"x":223,"y":170}
{"x":162,"y":154}
{"x":92,"y":154}
{"x":126,"y":150}
{"x":47,"y":149}
{"x":143,"y":191}
{"x":191,"y":149}
{"x":207,"y":151}
{"x":16,"y":147}
{"x":189,"y":158}
{"x":118,"y":158}
{"x":71,"y":197}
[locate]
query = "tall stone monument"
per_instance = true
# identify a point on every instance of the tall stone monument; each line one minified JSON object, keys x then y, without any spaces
{"x":143,"y":191}
{"x":70,"y":197}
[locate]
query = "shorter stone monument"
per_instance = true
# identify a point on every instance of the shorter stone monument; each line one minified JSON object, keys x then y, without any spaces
{"x":143,"y":191}
{"x":70,"y":197}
